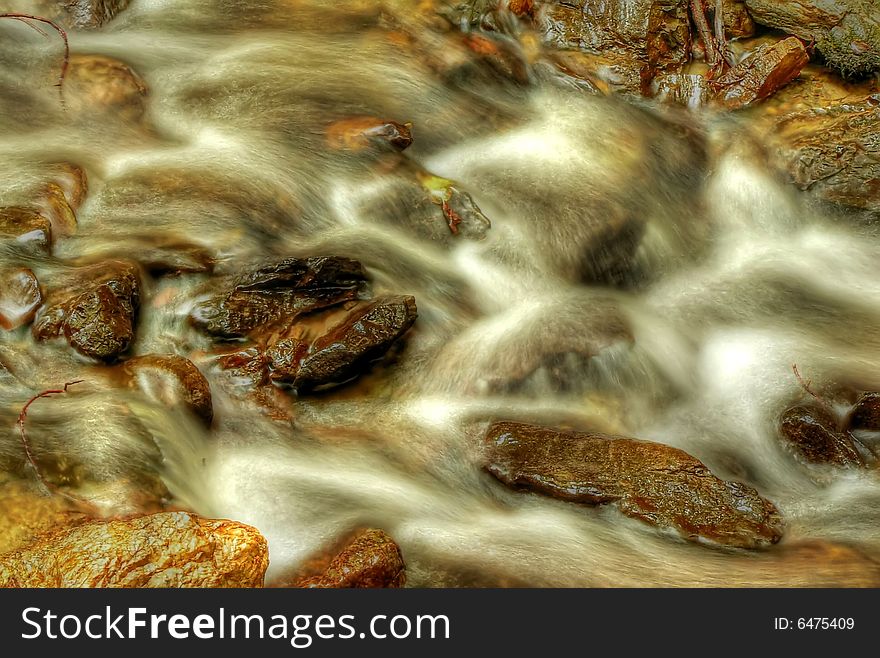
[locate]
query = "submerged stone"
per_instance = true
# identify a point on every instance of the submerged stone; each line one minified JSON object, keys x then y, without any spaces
{"x":27,"y":226}
{"x":20,"y":297}
{"x":655,"y":483}
{"x":95,"y":310}
{"x":350,"y":347}
{"x":171,"y":380}
{"x":168,"y":549}
{"x":813,"y":434}
{"x":96,"y":83}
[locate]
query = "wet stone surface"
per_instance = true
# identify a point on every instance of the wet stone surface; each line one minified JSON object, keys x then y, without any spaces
{"x":371,"y":559}
{"x":649,"y":481}
{"x":95,"y":309}
{"x":279,"y":293}
{"x":171,"y":380}
{"x":20,"y":297}
{"x":347,"y":349}
{"x":813,"y":433}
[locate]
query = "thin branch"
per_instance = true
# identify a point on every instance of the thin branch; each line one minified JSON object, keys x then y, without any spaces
{"x":22,"y":417}
{"x":806,"y":386}
{"x":26,"y":19}
{"x":698,"y":12}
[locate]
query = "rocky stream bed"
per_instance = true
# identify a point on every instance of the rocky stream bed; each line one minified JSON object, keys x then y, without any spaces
{"x":299,"y":293}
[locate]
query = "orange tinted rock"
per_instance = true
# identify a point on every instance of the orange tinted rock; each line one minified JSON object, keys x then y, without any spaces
{"x":764,"y":71}
{"x":371,"y":560}
{"x":652,"y":482}
{"x":26,"y":225}
{"x":20,"y":297}
{"x":654,"y":35}
{"x":168,"y":549}
{"x":737,"y":20}
{"x":357,"y":133}
{"x":25,"y":513}
{"x":96,"y":83}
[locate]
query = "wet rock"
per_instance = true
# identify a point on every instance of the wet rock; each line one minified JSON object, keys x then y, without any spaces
{"x":80,"y":14}
{"x":846,"y":32}
{"x":170,"y":549}
{"x":171,"y":380}
{"x":813,"y":433}
{"x":24,"y":514}
{"x":865,"y":415}
{"x":348,"y":349}
{"x":655,"y":483}
{"x":833,"y":151}
{"x":761,"y":73}
{"x":54,"y":204}
{"x":284,"y":358}
{"x":279,"y":293}
{"x":654,"y":35}
{"x":27,"y":226}
{"x":358,"y":133}
{"x":688,"y":89}
{"x":371,"y":560}
{"x":738,"y":22}
{"x":20,"y":297}
{"x":95,"y":310}
{"x":462,"y":216}
{"x":99,"y":84}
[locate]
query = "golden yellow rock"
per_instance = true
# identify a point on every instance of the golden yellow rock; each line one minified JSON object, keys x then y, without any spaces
{"x":25,"y":513}
{"x":168,"y":549}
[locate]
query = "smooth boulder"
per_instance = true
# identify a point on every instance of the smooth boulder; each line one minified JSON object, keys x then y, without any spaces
{"x":652,"y":482}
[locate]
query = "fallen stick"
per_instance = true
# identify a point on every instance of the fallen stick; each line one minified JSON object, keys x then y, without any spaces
{"x":26,"y":19}
{"x":22,"y":417}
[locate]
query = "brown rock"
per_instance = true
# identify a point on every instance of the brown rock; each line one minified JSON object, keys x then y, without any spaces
{"x":865,"y":415}
{"x":168,"y":549}
{"x":652,"y":482}
{"x":20,"y":297}
{"x":279,"y":293}
{"x":96,"y":83}
{"x":371,"y":560}
{"x":813,"y":433}
{"x":348,"y":349}
{"x":54,"y":204}
{"x":847,"y":32}
{"x":26,"y":225}
{"x":95,"y":309}
{"x":81,"y":14}
{"x":171,"y":380}
{"x":688,"y":89}
{"x":653,"y":34}
{"x":738,"y":22}
{"x":284,"y":358}
{"x":761,"y":73}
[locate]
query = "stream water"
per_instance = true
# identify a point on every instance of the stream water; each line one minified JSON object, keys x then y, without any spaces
{"x":689,"y":342}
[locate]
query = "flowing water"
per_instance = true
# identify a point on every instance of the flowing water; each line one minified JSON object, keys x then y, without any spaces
{"x":690,"y":342}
